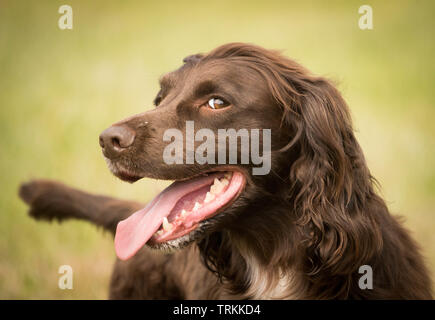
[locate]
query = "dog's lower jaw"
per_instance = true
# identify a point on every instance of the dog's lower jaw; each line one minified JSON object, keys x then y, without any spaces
{"x":172,"y":246}
{"x":182,"y":242}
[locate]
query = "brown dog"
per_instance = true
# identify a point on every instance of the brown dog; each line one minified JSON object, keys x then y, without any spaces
{"x":301,"y":231}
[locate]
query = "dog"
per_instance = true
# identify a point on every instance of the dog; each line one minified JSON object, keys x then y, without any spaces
{"x":302,"y":231}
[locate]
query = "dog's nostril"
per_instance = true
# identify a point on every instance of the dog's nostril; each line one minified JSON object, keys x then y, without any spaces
{"x":116,"y":139}
{"x":116,"y":143}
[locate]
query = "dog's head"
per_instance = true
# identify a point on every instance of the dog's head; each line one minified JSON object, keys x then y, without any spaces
{"x":290,"y":126}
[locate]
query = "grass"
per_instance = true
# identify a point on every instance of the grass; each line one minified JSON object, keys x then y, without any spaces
{"x":60,"y":89}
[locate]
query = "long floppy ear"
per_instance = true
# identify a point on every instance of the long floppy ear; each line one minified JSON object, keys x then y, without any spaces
{"x":331,"y":187}
{"x":328,"y":148}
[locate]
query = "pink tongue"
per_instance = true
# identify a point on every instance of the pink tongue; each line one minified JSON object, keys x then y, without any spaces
{"x":133,"y":232}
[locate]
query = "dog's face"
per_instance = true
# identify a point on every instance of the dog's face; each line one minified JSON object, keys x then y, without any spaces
{"x":213,"y":94}
{"x":299,"y":120}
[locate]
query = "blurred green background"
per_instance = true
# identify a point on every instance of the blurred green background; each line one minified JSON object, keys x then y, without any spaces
{"x":60,"y":88}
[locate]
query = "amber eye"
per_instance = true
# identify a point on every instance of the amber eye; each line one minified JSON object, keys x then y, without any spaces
{"x":217,"y":103}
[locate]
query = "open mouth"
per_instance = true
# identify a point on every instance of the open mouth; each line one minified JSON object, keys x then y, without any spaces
{"x":178,"y":210}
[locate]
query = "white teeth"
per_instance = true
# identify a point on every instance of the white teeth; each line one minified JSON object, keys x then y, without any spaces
{"x":228,"y":175}
{"x":196,"y":206}
{"x":158,"y":233}
{"x":217,"y":187}
{"x":166,"y":225}
{"x":225,"y":182}
{"x":209,"y":197}
{"x":213,"y":189}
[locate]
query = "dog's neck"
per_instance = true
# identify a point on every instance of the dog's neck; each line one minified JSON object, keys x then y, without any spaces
{"x":237,"y":258}
{"x":265,"y":280}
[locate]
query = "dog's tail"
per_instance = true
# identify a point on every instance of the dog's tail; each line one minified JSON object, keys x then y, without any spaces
{"x":50,"y":200}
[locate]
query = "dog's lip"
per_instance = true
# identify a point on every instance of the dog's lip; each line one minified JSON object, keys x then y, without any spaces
{"x":222,"y":168}
{"x":121,"y":172}
{"x":131,"y":177}
{"x":127,"y":176}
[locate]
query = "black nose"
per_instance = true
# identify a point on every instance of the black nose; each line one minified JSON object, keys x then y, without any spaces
{"x":116,"y":139}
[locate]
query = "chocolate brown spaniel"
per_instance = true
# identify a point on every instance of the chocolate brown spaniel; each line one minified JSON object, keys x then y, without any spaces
{"x":311,"y":227}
